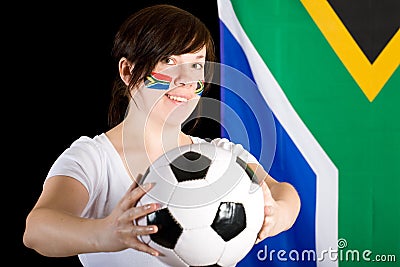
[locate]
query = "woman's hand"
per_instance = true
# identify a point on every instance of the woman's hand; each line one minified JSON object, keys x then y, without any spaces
{"x":281,"y":204}
{"x":273,"y":223}
{"x":123,"y":232}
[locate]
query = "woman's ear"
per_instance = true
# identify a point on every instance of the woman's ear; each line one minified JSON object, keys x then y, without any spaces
{"x":125,"y":67}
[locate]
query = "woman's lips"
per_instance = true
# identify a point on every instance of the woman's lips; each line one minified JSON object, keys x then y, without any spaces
{"x":176,"y":98}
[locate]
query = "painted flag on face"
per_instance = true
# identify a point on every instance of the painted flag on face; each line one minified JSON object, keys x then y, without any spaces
{"x":158,"y":81}
{"x":332,"y":102}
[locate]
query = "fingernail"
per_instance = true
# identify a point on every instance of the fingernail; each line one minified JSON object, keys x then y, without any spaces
{"x":268,"y":210}
{"x":154,"y":253}
{"x":147,"y":207}
{"x":147,"y":186}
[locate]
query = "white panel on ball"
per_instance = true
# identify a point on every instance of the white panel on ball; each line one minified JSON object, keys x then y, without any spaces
{"x":211,"y":212}
{"x":208,"y":246}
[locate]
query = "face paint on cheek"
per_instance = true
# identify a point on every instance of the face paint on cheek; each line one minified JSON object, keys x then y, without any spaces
{"x":157,"y":81}
{"x":199,"y":87}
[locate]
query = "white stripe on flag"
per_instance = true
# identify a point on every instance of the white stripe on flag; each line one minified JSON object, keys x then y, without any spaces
{"x":326,"y":172}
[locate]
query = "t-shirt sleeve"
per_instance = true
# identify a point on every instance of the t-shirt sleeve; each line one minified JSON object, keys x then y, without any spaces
{"x":237,"y":149}
{"x":81,"y":161}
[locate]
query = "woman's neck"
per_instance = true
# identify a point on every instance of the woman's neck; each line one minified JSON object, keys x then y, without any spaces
{"x":140,"y":140}
{"x":144,"y":134}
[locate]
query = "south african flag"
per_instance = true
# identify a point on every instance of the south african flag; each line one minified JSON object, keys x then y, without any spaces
{"x":157,"y":81}
{"x":328,"y":72}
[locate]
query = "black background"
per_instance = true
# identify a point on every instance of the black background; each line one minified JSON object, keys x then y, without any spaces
{"x":56,"y":88}
{"x":56,"y":82}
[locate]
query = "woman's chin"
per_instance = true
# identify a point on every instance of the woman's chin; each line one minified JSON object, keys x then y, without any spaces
{"x":181,"y":112}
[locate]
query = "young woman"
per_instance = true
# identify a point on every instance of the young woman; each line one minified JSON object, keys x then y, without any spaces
{"x":88,"y":203}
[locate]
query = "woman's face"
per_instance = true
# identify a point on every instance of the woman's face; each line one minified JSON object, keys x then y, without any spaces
{"x":172,"y":91}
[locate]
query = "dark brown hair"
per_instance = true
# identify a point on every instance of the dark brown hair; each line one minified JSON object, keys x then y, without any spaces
{"x":149,"y":36}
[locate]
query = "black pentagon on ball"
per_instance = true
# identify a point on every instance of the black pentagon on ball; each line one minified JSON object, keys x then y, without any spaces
{"x":168,"y":229}
{"x":247,"y":169}
{"x":190,"y":166}
{"x":230,"y":220}
{"x":213,"y":265}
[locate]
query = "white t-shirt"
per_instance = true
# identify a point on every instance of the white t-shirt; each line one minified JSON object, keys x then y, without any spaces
{"x":97,"y":165}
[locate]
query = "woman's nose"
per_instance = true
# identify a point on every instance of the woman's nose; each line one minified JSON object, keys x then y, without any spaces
{"x":185,"y":77}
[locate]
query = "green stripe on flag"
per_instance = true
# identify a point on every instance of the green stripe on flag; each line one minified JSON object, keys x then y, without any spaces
{"x":362,"y":138}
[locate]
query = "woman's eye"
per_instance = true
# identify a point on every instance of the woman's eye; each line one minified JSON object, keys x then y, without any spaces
{"x":198,"y":66}
{"x":169,"y":61}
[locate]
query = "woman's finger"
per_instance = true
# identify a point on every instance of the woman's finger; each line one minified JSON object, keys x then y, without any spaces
{"x":132,"y":237}
{"x":133,"y":196}
{"x":139,"y":211}
{"x":145,"y":248}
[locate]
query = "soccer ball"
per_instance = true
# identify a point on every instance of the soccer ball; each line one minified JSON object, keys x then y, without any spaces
{"x":212,"y":206}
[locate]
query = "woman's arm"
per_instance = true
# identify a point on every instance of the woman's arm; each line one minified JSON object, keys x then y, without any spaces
{"x":282,"y":203}
{"x":54,"y":227}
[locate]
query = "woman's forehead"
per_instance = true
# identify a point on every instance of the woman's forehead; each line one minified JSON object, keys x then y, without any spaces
{"x":198,"y":55}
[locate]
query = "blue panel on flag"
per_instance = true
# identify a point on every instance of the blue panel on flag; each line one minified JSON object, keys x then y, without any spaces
{"x":248,"y":120}
{"x":288,"y":164}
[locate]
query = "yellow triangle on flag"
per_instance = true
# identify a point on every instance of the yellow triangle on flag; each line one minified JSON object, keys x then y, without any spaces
{"x":370,"y":77}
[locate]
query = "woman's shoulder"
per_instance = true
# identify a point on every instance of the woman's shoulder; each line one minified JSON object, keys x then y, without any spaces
{"x":96,"y":141}
{"x":86,"y":145}
{"x":219,"y":141}
{"x":225,"y":143}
